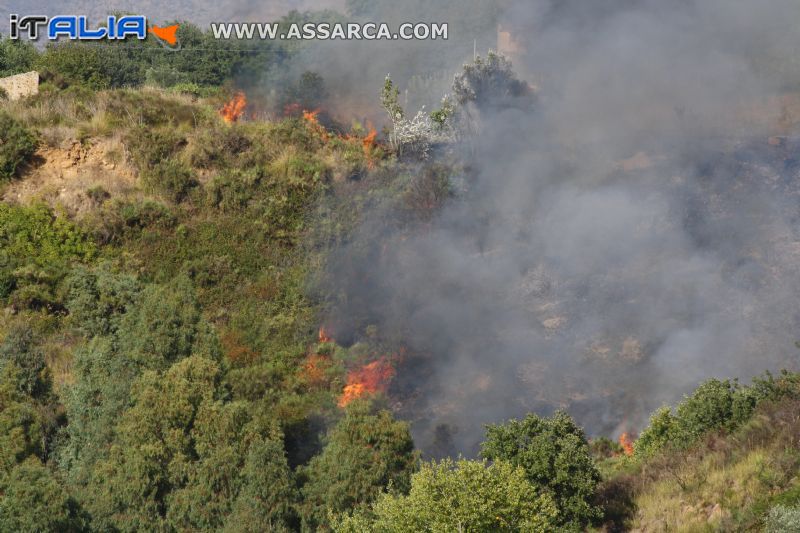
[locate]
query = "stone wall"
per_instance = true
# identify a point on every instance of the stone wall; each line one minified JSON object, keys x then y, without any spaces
{"x":20,"y":85}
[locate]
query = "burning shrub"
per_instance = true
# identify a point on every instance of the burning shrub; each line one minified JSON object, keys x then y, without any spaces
{"x":233,"y":110}
{"x":556,"y":459}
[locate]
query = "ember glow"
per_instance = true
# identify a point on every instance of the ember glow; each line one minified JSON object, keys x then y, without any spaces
{"x":234,"y":109}
{"x":627,"y":444}
{"x":367,"y":380}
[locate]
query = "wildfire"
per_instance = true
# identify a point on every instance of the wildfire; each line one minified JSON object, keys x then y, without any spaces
{"x":234,"y":109}
{"x":627,"y":444}
{"x":368,"y":143}
{"x":315,"y":368}
{"x":324,"y":336}
{"x":369,"y":379}
{"x":311,"y":117}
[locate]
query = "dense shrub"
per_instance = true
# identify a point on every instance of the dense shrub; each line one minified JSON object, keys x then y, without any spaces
{"x":714,"y":405}
{"x":17,"y":145}
{"x":460,"y":496}
{"x":172,"y":179}
{"x":782,"y":519}
{"x":365,"y":454}
{"x":555,"y":456}
{"x":16,"y":56}
{"x":148,"y":147}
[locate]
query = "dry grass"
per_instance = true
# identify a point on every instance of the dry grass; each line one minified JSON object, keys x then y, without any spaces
{"x":727,"y":483}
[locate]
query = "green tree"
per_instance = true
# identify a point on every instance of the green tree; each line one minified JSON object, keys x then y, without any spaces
{"x":98,"y":298}
{"x":659,"y":433}
{"x":460,"y":496}
{"x":183,"y":456}
{"x":490,"y":84}
{"x":709,"y":407}
{"x":22,"y":433}
{"x":365,"y":453}
{"x":164,"y":326}
{"x":19,"y":348}
{"x":34,"y":501}
{"x":555,"y":456}
{"x":16,"y":56}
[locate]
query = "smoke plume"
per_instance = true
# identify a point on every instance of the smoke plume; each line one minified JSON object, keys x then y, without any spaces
{"x":634,"y":235}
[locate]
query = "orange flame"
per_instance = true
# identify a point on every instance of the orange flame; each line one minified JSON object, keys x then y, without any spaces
{"x":234,"y":109}
{"x":323,"y":335}
{"x":369,"y":379}
{"x":313,"y":121}
{"x":627,"y":444}
{"x":315,"y":368}
{"x":368,"y":143}
{"x":311,"y":117}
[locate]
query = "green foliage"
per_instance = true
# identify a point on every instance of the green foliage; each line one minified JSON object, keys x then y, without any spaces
{"x":491,"y":84}
{"x":18,"y":349}
{"x":16,"y":56}
{"x":150,"y":147}
{"x":36,"y":250}
{"x":33,"y":234}
{"x":34,"y":500}
{"x":308,"y":93}
{"x":555,"y":456}
{"x":17,"y":145}
{"x":659,"y":433}
{"x":714,"y":405}
{"x":161,"y":326}
{"x":365,"y":453}
{"x":390,"y":100}
{"x":185,"y":459}
{"x":219,"y":147}
{"x":782,"y":519}
{"x":172,"y":179}
{"x":709,"y":407}
{"x":98,"y":298}
{"x":460,"y":496}
{"x":89,"y":65}
{"x":21,"y":423}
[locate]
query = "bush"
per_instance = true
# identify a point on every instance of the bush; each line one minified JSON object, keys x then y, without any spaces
{"x":365,"y":454}
{"x":149,"y":147}
{"x":172,"y":179}
{"x":555,"y":456}
{"x":461,"y":496}
{"x":658,"y":434}
{"x":782,"y":519}
{"x":17,"y":145}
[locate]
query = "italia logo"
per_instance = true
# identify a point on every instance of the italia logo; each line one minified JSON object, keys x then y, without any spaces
{"x":77,"y":28}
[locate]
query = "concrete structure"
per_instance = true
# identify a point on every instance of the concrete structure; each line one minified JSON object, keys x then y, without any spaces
{"x":20,"y":85}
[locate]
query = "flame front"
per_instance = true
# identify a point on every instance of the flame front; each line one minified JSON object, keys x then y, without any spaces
{"x":234,"y":109}
{"x":627,"y":444}
{"x":369,"y":379}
